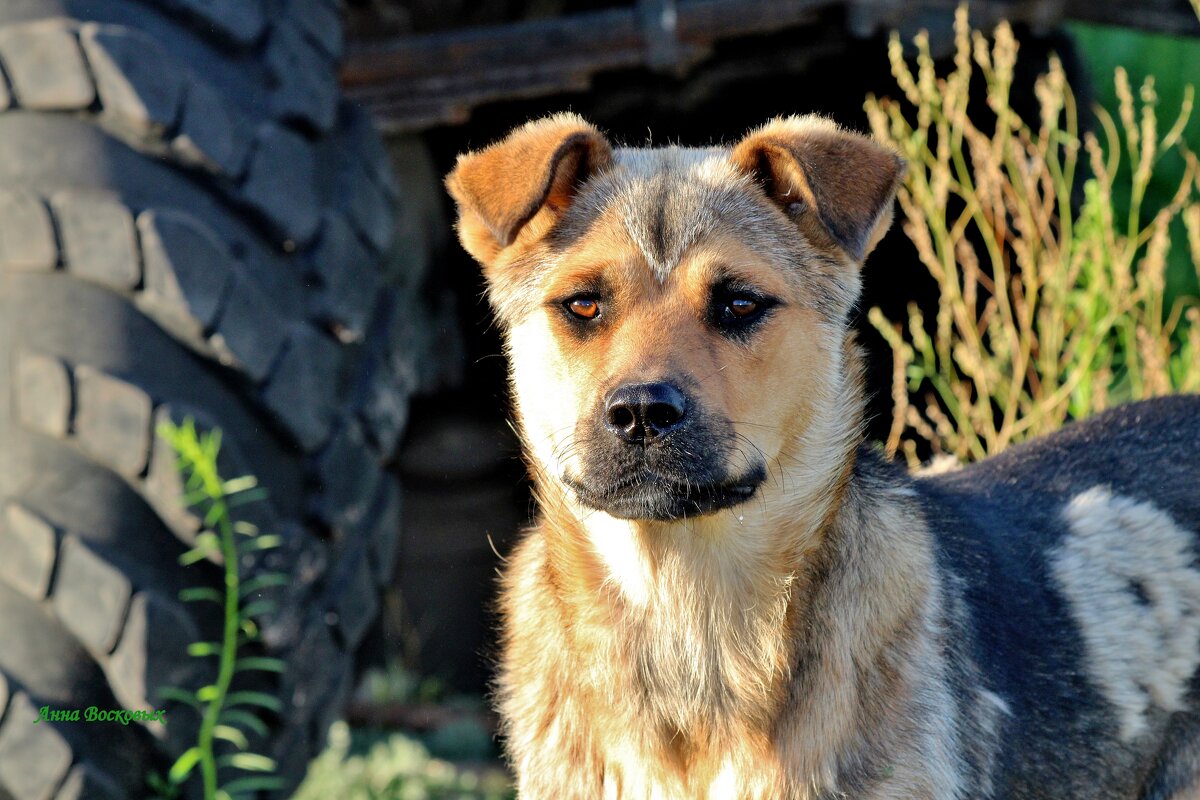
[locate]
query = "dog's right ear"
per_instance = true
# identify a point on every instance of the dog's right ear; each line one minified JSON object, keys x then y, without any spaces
{"x":517,"y":188}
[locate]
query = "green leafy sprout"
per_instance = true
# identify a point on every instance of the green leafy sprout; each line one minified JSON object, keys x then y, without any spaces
{"x":226,"y":715}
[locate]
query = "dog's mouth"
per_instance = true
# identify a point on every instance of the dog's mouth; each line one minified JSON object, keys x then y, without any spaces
{"x":647,"y":495}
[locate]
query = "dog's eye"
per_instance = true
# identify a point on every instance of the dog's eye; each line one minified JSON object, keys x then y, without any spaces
{"x":736,"y":311}
{"x":583,"y":307}
{"x":741,"y":307}
{"x":737,"y":308}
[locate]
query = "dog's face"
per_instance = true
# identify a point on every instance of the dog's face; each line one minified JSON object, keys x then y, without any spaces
{"x":675,"y":318}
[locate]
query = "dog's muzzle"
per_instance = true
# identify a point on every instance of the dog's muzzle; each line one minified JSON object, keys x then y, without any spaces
{"x":652,"y":453}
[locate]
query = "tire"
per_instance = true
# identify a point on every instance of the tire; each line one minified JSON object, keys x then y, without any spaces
{"x":192,"y":224}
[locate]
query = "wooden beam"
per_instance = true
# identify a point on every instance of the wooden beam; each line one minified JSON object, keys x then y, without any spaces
{"x":413,"y":82}
{"x":420,"y":81}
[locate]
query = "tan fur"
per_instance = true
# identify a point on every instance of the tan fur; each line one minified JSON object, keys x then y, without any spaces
{"x":814,"y":163}
{"x":501,"y":190}
{"x":659,"y":659}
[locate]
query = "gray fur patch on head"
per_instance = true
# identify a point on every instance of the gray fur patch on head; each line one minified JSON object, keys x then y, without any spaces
{"x":669,"y":199}
{"x":1129,"y":575}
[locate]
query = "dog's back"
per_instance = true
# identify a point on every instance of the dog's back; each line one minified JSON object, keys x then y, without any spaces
{"x":1073,"y":568}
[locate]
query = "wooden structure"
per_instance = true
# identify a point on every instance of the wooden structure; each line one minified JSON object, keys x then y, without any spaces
{"x":417,"y":81}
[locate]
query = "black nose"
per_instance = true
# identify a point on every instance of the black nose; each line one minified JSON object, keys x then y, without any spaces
{"x":643,"y":411}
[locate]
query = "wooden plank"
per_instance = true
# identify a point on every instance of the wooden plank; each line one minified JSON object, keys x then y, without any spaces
{"x":420,"y":81}
{"x":415,"y":82}
{"x":600,"y":35}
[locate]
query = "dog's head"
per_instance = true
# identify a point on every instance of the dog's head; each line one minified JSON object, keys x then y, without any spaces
{"x":675,"y":317}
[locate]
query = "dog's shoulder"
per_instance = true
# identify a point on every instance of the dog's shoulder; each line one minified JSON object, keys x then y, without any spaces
{"x":1075,"y":564}
{"x":1132,"y":471}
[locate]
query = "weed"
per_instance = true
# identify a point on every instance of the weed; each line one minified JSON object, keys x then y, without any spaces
{"x":362,"y":765}
{"x":1048,"y":311}
{"x":226,"y":715}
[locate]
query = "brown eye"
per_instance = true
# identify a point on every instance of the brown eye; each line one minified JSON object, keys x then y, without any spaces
{"x":736,"y":311}
{"x":584,"y":307}
{"x":742,"y":306}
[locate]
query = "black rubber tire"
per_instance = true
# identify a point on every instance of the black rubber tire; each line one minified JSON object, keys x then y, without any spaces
{"x":192,"y":223}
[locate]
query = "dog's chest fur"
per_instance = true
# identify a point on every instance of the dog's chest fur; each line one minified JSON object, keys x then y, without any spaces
{"x":704,"y":681}
{"x":676,"y":682}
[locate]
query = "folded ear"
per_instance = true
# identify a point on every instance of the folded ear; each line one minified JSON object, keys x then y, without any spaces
{"x":809,"y":164}
{"x":536,"y":170}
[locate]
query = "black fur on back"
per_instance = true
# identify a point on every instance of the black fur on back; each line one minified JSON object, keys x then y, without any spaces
{"x":994,"y":524}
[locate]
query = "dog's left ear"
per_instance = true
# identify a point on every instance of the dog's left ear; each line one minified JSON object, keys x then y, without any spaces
{"x":810,"y":164}
{"x":519,"y":186}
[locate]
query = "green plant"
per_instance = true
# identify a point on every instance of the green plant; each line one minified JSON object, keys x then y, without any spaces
{"x":364,"y":765}
{"x":1173,"y":61}
{"x":1046,"y":312}
{"x":226,"y":715}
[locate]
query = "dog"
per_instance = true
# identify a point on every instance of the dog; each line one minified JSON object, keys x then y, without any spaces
{"x":728,"y":592}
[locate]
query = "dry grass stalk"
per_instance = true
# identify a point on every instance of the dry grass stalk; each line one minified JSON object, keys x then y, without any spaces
{"x":1047,"y":312}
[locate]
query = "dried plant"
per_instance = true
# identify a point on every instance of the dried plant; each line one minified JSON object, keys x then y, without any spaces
{"x":1050,"y":310}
